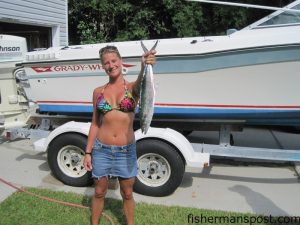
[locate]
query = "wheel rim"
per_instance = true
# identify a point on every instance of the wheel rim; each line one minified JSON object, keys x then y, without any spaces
{"x":70,"y":161}
{"x":154,"y":170}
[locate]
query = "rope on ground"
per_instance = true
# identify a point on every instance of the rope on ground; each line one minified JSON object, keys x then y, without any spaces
{"x":108,"y":218}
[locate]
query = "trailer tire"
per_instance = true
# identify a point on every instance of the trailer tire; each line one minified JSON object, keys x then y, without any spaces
{"x":65,"y":158}
{"x":161,"y":168}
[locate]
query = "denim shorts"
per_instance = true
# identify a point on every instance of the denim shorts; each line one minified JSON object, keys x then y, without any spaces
{"x":111,"y":160}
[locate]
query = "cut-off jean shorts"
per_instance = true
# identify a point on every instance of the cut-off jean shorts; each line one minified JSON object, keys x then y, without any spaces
{"x":111,"y":160}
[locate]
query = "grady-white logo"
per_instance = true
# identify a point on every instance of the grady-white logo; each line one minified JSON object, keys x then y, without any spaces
{"x":71,"y":68}
{"x":41,"y":69}
{"x":9,"y":49}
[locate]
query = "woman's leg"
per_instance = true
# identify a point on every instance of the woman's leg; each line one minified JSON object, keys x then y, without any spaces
{"x":126,"y":186}
{"x":101,"y":186}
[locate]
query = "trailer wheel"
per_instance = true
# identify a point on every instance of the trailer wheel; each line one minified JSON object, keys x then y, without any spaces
{"x":161,"y":168}
{"x":65,"y":158}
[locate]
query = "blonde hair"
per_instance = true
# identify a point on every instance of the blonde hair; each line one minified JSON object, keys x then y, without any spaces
{"x":109,"y":49}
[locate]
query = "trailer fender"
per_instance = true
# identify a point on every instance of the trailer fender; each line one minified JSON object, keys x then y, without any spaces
{"x":70,"y":127}
{"x":192,"y":158}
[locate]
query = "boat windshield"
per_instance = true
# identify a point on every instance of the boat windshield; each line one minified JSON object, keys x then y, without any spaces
{"x":279,"y":18}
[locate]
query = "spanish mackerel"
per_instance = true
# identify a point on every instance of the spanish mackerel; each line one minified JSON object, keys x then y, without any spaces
{"x":147,"y":95}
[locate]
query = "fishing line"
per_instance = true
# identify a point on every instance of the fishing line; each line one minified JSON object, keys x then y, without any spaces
{"x":108,"y":218}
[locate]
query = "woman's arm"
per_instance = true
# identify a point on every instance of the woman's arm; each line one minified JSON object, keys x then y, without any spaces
{"x":92,"y":134}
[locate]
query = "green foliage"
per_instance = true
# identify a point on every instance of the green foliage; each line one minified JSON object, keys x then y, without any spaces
{"x":94,"y":21}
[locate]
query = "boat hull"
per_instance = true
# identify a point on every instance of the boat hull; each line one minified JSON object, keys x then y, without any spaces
{"x":251,"y":85}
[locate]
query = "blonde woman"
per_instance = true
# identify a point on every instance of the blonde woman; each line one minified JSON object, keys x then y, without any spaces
{"x":111,"y":148}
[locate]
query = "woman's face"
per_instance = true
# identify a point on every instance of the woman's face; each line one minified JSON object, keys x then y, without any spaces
{"x":112,"y":64}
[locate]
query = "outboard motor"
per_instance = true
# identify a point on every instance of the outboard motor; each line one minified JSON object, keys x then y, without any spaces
{"x":13,"y":102}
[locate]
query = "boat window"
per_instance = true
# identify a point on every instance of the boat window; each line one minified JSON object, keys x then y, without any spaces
{"x":284,"y":18}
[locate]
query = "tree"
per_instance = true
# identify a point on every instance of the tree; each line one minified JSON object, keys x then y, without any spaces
{"x":103,"y":21}
{"x":93,"y":21}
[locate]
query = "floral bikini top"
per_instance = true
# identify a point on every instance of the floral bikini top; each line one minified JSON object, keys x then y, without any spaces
{"x":127,"y":104}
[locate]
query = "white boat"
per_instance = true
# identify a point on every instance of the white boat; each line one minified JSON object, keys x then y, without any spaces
{"x":249,"y":76}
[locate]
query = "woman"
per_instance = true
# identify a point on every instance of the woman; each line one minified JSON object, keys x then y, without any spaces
{"x":111,"y":148}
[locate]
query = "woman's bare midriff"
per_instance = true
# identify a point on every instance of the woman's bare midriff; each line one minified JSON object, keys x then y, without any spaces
{"x":116,"y":128}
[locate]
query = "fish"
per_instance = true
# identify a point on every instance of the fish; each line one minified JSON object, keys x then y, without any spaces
{"x":147,"y":95}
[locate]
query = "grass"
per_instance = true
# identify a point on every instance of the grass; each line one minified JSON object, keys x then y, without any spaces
{"x":23,"y":209}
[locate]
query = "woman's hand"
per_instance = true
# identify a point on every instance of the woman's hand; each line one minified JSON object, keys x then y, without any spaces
{"x":149,"y":57}
{"x":87,"y":162}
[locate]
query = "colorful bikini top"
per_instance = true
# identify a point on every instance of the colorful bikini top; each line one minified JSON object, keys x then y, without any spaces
{"x":127,"y":104}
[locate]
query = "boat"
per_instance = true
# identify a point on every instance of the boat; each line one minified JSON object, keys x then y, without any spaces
{"x":248,"y":76}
